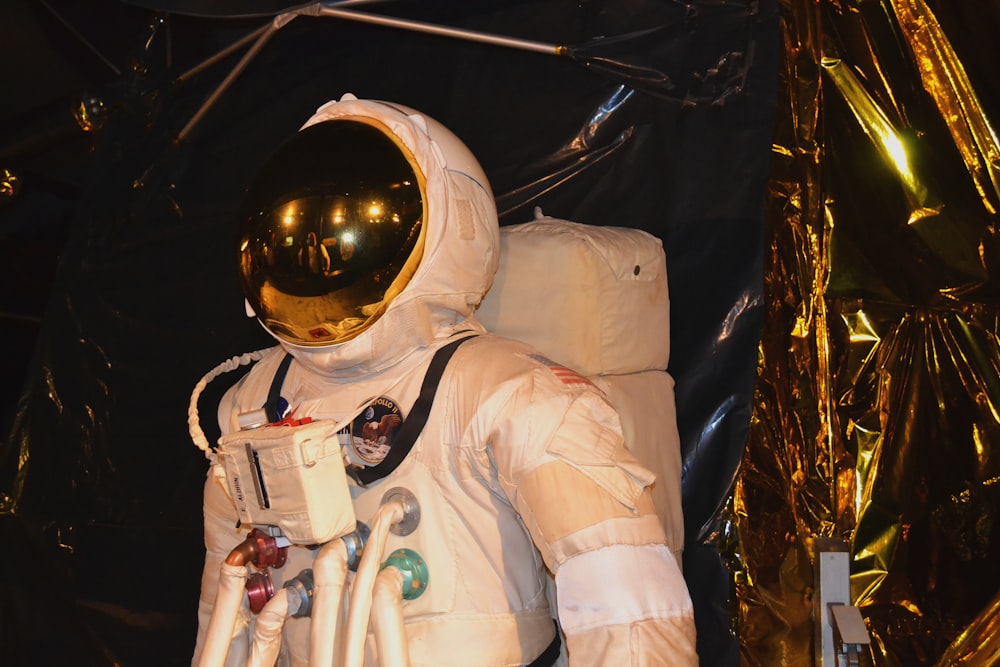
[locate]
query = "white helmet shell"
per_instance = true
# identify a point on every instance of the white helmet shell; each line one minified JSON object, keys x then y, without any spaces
{"x":460,"y":244}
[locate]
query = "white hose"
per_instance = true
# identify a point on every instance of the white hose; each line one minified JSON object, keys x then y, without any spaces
{"x":329,"y":575}
{"x":228,"y":598}
{"x":361,"y":592}
{"x":194,"y":427}
{"x":387,"y":619}
{"x":267,"y":628}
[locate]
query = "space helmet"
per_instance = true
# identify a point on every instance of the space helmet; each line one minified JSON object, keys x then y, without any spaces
{"x":366,"y":235}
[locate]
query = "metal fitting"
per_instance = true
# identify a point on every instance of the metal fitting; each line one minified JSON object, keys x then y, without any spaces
{"x":411,"y":510}
{"x":269,"y":551}
{"x":414,"y":571}
{"x":260,"y":589}
{"x":355,"y":543}
{"x":303,"y":585}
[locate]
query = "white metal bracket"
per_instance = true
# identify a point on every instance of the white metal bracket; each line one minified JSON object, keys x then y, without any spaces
{"x":840,"y":632}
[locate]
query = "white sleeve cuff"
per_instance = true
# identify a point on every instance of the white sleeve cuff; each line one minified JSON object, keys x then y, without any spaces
{"x":618,"y":585}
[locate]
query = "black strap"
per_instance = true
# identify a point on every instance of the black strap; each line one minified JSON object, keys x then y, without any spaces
{"x":414,"y":422}
{"x":274,"y":393}
{"x":550,"y":654}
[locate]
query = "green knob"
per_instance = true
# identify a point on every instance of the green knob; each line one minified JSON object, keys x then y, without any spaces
{"x":414,"y":571}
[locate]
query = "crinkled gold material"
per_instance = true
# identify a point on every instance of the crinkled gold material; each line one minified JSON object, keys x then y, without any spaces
{"x":877,"y":406}
{"x":944,"y":77}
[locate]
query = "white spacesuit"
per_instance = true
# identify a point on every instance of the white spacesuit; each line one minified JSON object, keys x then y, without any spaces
{"x":519,"y":469}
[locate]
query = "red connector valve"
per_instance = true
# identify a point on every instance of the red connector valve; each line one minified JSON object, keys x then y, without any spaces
{"x":269,"y":554}
{"x":260,"y":589}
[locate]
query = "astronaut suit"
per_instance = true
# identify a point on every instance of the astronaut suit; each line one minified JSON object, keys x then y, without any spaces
{"x":526,"y":491}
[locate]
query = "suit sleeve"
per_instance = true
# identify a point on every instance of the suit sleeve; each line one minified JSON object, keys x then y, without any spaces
{"x":621,"y":597}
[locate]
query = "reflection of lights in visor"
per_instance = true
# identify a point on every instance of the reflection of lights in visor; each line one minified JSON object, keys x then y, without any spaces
{"x":333,"y":231}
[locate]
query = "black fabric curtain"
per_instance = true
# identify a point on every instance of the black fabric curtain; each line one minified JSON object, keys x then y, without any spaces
{"x":121,"y":289}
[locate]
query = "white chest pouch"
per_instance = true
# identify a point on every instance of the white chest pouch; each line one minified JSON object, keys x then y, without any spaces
{"x":291,"y":474}
{"x":291,"y":477}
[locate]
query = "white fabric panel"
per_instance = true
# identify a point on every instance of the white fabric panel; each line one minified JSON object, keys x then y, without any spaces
{"x":594,"y":299}
{"x":645,"y":403}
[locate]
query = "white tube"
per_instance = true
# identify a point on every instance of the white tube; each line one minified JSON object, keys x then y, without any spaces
{"x":194,"y":424}
{"x":228,"y":598}
{"x":361,"y":592}
{"x":329,"y":575}
{"x":387,"y":619}
{"x":267,"y":628}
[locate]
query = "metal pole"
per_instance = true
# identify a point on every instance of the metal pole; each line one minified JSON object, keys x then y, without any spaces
{"x":264,"y":34}
{"x":433,"y":29}
{"x":235,"y":46}
{"x":264,"y":37}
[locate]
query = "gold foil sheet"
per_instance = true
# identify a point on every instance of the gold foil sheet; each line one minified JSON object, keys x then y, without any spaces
{"x":877,"y":406}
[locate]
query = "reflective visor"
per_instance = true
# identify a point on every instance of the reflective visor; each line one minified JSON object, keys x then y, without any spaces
{"x":332,"y":231}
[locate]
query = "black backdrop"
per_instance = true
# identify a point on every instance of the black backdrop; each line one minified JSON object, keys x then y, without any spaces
{"x":119,"y":288}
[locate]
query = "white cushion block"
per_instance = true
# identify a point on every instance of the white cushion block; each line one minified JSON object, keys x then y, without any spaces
{"x":645,"y":403}
{"x":594,"y":299}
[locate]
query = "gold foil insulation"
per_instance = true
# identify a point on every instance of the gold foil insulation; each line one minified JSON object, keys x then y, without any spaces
{"x":877,"y":406}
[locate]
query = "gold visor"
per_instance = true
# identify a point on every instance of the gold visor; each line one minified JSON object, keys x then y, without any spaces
{"x":333,"y":231}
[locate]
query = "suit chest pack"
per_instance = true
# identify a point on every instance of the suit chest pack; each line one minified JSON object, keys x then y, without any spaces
{"x":292,"y":474}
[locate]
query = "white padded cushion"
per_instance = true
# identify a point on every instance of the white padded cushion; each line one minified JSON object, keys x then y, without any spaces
{"x":594,"y":299}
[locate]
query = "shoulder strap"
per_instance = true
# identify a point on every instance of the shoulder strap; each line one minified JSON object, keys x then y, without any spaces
{"x":276,"y":406}
{"x":414,"y":422}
